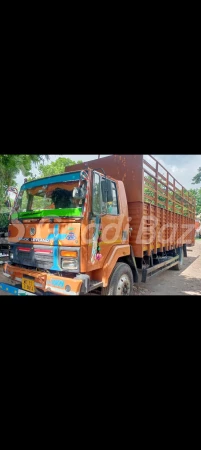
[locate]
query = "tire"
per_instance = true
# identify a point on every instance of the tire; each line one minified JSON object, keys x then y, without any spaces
{"x":120,"y":282}
{"x":180,"y":262}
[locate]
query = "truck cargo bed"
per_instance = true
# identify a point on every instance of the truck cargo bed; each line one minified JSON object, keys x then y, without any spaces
{"x":161,"y":210}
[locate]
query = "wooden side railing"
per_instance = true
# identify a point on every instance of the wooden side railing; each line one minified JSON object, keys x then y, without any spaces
{"x":163,"y":193}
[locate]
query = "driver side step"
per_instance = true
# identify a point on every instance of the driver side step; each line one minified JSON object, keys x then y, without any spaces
{"x":95,"y":284}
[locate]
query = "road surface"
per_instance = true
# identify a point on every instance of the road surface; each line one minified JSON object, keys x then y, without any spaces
{"x":187,"y":281}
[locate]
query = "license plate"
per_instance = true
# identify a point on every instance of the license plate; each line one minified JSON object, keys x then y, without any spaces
{"x":28,"y":285}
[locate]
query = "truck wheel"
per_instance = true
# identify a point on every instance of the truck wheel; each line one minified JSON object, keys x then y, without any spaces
{"x":120,"y":282}
{"x":180,"y":262}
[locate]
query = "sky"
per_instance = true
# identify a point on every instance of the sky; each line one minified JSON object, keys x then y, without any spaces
{"x":182,"y":167}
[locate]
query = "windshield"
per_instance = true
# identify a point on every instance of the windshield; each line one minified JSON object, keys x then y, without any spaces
{"x":51,"y":199}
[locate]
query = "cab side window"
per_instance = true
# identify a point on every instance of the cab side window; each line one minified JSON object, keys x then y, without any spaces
{"x":112,"y":207}
{"x":97,"y":197}
{"x":98,"y":206}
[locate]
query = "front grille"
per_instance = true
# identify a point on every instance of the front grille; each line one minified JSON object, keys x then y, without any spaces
{"x":33,"y":256}
{"x":43,"y":259}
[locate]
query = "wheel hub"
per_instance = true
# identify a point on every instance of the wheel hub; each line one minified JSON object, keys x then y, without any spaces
{"x":123,"y":286}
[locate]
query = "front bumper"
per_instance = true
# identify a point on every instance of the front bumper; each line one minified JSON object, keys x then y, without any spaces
{"x":13,"y":290}
{"x":43,"y":282}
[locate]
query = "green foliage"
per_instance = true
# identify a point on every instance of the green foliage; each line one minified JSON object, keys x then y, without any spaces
{"x":197,"y":177}
{"x":4,"y":221}
{"x":11,"y":165}
{"x":162,"y":199}
{"x":197,"y":194}
{"x":56,"y":167}
{"x":151,"y":194}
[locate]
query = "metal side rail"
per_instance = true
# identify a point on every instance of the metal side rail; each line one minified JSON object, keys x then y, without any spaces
{"x":13,"y":290}
{"x":151,"y":271}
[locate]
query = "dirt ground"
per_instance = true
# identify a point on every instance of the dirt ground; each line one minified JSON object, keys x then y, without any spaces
{"x":185,"y":282}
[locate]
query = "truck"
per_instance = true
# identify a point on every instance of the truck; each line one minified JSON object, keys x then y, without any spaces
{"x":99,"y":227}
{"x":5,"y":211}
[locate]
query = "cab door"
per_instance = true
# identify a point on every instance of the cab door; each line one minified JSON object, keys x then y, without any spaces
{"x":105,"y":227}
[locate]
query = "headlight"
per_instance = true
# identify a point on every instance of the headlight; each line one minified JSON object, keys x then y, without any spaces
{"x":11,"y":256}
{"x":69,"y":263}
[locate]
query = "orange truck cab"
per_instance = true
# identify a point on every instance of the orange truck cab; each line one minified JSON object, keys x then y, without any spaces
{"x":93,"y":228}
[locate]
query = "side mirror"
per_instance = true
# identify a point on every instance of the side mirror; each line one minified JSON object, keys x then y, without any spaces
{"x":78,"y":193}
{"x":106,"y":188}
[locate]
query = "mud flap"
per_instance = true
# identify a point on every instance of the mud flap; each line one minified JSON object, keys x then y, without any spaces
{"x":185,"y":250}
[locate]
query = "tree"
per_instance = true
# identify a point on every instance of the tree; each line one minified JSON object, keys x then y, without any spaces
{"x":56,"y":167}
{"x":197,"y":177}
{"x":11,"y":165}
{"x":197,"y":194}
{"x":149,"y":190}
{"x":149,"y":195}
